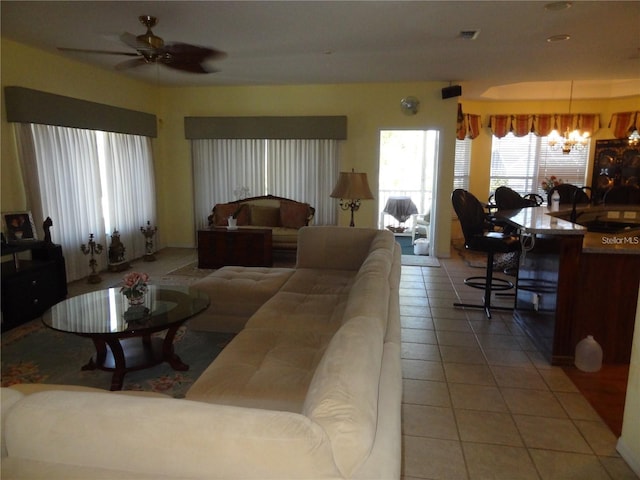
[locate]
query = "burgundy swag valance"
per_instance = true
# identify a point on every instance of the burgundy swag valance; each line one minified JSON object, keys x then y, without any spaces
{"x":468,"y":125}
{"x":542,"y":124}
{"x":623,"y":123}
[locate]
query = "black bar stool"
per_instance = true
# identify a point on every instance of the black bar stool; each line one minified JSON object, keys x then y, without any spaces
{"x":480,"y":235}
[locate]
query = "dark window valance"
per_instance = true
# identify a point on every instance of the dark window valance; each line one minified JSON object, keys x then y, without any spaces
{"x":25,"y":105}
{"x":321,"y":127}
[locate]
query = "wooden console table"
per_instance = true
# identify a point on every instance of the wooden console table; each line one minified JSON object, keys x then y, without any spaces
{"x":248,"y":247}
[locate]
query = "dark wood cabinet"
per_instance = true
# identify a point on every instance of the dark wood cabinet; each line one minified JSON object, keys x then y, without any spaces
{"x":615,"y":163}
{"x":31,"y":286}
{"x":249,"y":247}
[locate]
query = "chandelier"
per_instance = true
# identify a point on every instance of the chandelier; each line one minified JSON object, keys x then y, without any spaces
{"x":634,"y":135}
{"x":570,"y":140}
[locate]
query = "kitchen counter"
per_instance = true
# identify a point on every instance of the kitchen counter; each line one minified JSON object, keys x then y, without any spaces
{"x":541,"y":221}
{"x":573,"y":281}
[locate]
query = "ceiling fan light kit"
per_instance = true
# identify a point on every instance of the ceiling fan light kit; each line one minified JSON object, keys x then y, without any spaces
{"x":152,"y":49}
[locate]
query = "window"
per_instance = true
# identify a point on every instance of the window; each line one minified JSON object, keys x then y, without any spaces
{"x":462,"y":164}
{"x":521,"y":163}
{"x":88,"y":182}
{"x":302,"y":170}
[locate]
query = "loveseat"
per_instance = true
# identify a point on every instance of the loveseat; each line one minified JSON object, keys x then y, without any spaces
{"x":283,"y":216}
{"x":310,"y":388}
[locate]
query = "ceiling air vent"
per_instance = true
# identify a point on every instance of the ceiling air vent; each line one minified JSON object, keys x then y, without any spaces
{"x":469,"y":34}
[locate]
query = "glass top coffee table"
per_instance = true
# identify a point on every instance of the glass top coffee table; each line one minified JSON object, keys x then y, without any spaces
{"x":123,"y":334}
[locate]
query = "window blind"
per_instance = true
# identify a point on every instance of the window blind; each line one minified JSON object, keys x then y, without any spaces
{"x":521,"y":163}
{"x":462,"y":164}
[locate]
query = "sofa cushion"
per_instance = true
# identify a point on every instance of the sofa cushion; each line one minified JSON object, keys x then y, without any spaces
{"x":264,"y":216}
{"x":343,"y":395}
{"x":223,"y":211}
{"x":236,"y":293}
{"x":263,"y":368}
{"x":293,"y":215}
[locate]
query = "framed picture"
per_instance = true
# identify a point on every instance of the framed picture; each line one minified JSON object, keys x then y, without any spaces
{"x":19,"y":226}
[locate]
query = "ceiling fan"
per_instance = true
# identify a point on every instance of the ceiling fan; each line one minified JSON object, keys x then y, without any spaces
{"x":152,"y":49}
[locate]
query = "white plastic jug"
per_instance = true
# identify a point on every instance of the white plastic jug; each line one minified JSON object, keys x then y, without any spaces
{"x":588,"y":355}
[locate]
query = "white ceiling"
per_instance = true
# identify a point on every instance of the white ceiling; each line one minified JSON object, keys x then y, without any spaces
{"x":319,"y":42}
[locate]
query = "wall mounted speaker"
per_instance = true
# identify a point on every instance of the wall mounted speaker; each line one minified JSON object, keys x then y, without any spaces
{"x":452,"y":91}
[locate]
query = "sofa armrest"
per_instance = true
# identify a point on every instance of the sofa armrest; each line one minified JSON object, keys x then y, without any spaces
{"x":184,"y":438}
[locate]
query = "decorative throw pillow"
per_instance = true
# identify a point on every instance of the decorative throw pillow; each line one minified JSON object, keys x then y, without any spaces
{"x":225,"y":210}
{"x":265,"y":216}
{"x":293,"y":215}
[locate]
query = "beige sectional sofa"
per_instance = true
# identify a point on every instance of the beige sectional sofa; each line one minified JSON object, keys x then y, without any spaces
{"x":310,"y":387}
{"x":283,"y":216}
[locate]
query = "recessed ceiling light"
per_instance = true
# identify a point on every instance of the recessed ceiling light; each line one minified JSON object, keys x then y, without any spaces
{"x":558,"y":38}
{"x":558,"y":6}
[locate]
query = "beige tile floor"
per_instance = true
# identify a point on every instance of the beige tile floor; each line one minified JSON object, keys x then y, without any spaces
{"x":479,"y":401}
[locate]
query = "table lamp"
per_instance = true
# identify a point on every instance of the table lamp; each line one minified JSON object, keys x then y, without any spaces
{"x":350,"y":189}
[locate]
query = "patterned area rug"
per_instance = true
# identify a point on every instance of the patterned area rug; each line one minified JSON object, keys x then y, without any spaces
{"x":33,"y":353}
{"x":192,"y":270}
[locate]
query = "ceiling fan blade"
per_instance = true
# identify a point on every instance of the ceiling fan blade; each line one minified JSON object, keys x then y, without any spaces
{"x":190,"y":53}
{"x":105,"y":52}
{"x":136,"y":62}
{"x":188,"y":58}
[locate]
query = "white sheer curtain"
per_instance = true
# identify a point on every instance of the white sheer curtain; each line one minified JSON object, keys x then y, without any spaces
{"x":62,"y":174}
{"x":129,"y":188}
{"x":305,"y":170}
{"x":80,"y":182}
{"x":222,"y":167}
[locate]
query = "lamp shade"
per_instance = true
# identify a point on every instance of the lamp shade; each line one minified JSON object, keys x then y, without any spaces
{"x":352,"y":185}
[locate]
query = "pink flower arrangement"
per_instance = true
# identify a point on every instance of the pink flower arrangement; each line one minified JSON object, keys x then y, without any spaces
{"x":135,"y":284}
{"x":549,"y":183}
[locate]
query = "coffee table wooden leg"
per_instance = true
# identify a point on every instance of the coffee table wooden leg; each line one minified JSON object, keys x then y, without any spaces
{"x":168,"y":352}
{"x":120,"y":364}
{"x":101,"y":354}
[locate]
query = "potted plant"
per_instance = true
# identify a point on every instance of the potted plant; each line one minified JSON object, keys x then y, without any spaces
{"x":135,"y":286}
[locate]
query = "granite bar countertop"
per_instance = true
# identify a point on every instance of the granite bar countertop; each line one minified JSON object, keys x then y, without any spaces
{"x":542,"y":221}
